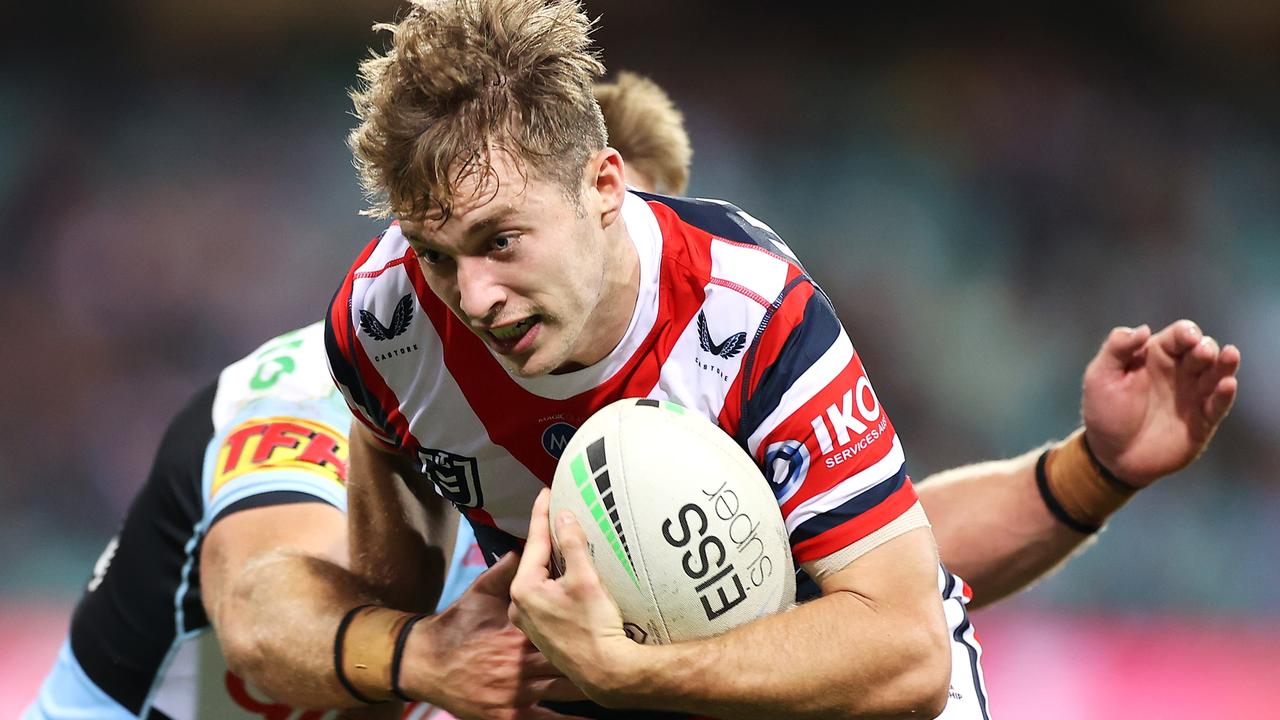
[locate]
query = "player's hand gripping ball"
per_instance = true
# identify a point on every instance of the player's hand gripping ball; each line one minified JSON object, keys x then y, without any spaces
{"x":683,"y":528}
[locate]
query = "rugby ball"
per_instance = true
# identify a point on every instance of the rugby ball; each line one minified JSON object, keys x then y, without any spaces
{"x":683,"y":528}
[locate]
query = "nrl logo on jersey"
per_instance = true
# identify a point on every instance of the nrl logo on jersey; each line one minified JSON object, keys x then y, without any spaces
{"x":400,"y":320}
{"x":457,"y":477}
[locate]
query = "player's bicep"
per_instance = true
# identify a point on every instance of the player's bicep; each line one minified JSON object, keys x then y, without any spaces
{"x":898,"y":578}
{"x":377,"y":503}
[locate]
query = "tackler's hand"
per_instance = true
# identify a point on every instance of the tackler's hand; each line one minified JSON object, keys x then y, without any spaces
{"x":1152,"y":402}
{"x":474,"y":663}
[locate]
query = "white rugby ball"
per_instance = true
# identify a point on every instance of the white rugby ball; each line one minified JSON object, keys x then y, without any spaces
{"x":684,"y":530}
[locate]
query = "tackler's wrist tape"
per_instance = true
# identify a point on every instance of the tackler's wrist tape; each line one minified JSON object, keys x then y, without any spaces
{"x":364,"y":651}
{"x":1077,"y":489}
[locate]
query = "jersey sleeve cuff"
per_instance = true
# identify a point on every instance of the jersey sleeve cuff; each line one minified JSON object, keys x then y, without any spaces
{"x":277,"y":482}
{"x":859,"y":517}
{"x":268,"y":499}
{"x":914,"y":518}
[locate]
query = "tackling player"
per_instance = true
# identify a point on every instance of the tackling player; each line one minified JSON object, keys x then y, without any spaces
{"x":247,"y":481}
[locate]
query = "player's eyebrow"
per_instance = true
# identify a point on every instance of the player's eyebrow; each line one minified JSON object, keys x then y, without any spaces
{"x":485,"y":225}
{"x":478,"y":230}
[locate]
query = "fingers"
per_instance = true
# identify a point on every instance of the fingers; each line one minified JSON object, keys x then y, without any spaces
{"x":1209,"y":366}
{"x":1225,"y":363}
{"x":1121,"y":345}
{"x":573,"y":545}
{"x":1179,"y":337}
{"x":1219,"y":402}
{"x":1212,"y":372}
{"x":1228,"y":362}
{"x":535,"y":664}
{"x":543,"y":681}
{"x":537,"y":548}
{"x":1201,"y":357}
{"x":496,"y":581}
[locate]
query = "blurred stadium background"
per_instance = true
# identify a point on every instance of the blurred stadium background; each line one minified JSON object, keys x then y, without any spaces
{"x":983,"y":195}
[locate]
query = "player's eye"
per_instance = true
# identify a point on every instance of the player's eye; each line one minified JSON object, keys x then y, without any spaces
{"x":504,"y":242}
{"x":432,"y":257}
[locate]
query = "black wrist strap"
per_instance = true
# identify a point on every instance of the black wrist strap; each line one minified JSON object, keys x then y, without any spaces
{"x":1051,"y":502}
{"x":398,"y":655}
{"x":337,"y":654}
{"x":1112,"y":480}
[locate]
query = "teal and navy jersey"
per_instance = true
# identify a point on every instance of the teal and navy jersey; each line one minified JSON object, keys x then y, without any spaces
{"x":271,"y":430}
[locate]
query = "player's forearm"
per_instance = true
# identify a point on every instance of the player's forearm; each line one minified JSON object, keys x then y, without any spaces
{"x":840,"y":656}
{"x":277,"y":627}
{"x":993,"y":528}
{"x":874,"y":645}
{"x":399,"y":561}
{"x":400,"y":541}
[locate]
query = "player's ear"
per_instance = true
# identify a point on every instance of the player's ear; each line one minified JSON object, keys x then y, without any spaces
{"x":606,"y":184}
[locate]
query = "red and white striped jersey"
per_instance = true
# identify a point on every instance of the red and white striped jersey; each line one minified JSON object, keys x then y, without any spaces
{"x":727,"y":324}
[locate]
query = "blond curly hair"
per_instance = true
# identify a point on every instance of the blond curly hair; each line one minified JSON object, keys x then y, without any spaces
{"x":463,"y":78}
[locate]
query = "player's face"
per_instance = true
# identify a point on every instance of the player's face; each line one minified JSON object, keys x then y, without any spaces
{"x":531,"y":272}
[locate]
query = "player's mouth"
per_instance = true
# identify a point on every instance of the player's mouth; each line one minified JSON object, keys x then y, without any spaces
{"x":515,"y":337}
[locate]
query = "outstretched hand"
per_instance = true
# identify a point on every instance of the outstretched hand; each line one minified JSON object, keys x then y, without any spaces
{"x":1152,"y":402}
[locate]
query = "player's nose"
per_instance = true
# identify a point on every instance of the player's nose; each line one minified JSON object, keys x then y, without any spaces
{"x":480,"y":293}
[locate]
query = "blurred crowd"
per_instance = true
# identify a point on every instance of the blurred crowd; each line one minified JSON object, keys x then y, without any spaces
{"x":983,"y":198}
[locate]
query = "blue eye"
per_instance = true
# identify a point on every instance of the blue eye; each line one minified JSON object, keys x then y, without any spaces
{"x":504,"y":242}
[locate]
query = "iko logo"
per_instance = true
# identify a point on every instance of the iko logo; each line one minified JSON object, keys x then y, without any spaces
{"x":457,"y":477}
{"x":731,"y":345}
{"x":789,"y":462}
{"x":842,"y":419}
{"x":400,"y":320}
{"x":556,"y":437}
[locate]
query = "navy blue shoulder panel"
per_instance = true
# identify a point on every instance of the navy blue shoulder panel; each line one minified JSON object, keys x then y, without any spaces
{"x":724,"y":220}
{"x":806,"y":342}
